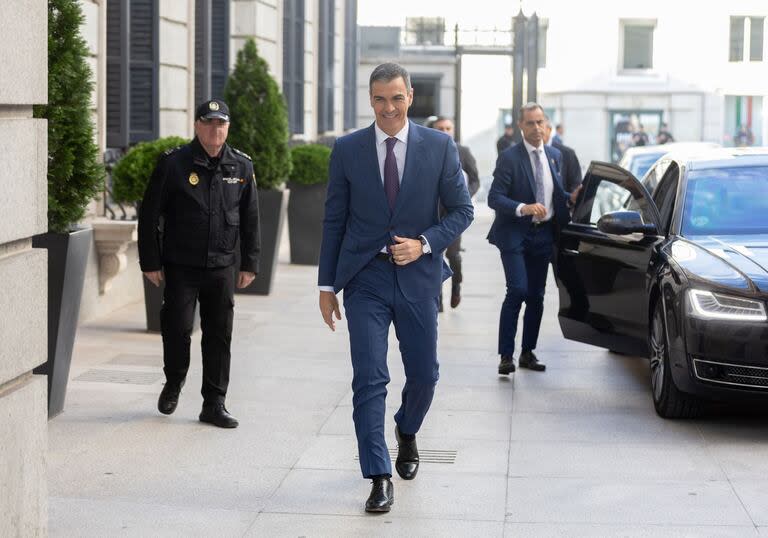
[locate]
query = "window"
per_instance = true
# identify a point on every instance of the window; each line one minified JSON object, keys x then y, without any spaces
{"x":293,"y":63}
{"x":424,"y":31}
{"x":664,"y":196}
{"x":132,"y":72}
{"x":746,"y":34}
{"x":426,"y":97}
{"x":211,"y":48}
{"x":350,"y":64}
{"x":637,"y":42}
{"x":325,"y":66}
{"x":606,"y":191}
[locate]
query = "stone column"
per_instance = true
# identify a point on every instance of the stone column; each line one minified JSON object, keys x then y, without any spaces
{"x":23,"y":270}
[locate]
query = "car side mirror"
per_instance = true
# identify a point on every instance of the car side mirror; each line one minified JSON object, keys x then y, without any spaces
{"x":625,"y":222}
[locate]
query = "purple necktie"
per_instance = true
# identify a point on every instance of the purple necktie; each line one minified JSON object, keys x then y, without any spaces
{"x":391,"y":180}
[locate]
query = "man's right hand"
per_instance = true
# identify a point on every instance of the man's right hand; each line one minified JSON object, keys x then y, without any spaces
{"x":534,"y":210}
{"x":329,"y":305}
{"x":155,"y":277}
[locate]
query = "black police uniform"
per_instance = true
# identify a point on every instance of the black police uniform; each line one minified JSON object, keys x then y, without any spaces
{"x":204,"y":205}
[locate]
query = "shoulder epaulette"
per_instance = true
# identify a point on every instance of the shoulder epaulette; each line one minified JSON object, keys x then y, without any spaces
{"x":172,"y":150}
{"x":242,"y":153}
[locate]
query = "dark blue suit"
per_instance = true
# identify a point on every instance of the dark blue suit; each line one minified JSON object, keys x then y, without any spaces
{"x":525,"y":248}
{"x":358,"y":223}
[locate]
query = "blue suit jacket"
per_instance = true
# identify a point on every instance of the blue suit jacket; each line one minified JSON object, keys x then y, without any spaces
{"x":358,"y":221}
{"x":513,"y":184}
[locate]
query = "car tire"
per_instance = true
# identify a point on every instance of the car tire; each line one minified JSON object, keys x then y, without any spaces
{"x":668,"y":400}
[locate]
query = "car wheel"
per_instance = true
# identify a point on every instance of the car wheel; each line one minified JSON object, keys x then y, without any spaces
{"x":668,"y":400}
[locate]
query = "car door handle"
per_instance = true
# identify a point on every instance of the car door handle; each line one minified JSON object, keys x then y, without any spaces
{"x":570,"y":252}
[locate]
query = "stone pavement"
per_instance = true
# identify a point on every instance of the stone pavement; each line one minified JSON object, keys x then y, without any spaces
{"x":575,"y":451}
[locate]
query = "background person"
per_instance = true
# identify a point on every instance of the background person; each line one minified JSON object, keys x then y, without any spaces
{"x":469,"y":166}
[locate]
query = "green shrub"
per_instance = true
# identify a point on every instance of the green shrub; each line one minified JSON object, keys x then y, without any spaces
{"x":131,"y":173}
{"x":259,"y":118}
{"x":75,"y":173}
{"x":310,"y":164}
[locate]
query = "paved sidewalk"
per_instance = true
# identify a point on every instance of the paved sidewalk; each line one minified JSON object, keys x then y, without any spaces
{"x":574,"y":451}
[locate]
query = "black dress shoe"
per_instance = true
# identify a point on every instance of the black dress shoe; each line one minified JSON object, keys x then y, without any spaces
{"x":407,"y":462}
{"x":506,"y":365}
{"x":169,"y":397}
{"x":382,"y":496}
{"x":215,"y":413}
{"x":455,"y":295}
{"x":529,"y":360}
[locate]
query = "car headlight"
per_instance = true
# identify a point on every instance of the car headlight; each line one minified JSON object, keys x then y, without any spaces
{"x":709,"y":305}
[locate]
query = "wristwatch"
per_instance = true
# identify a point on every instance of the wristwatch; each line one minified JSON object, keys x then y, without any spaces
{"x":423,"y":244}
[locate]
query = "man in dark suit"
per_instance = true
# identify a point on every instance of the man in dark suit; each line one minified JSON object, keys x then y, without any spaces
{"x":571,"y":170}
{"x":469,"y":166}
{"x":507,"y":139}
{"x":383,"y":243}
{"x":531,"y":204}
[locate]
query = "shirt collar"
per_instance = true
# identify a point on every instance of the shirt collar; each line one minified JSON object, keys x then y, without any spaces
{"x":402,"y":136}
{"x":529,"y":148}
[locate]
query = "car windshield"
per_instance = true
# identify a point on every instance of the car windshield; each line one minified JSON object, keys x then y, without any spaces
{"x":641,"y":163}
{"x":726,"y":201}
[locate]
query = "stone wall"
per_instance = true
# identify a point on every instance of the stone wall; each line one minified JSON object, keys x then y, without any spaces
{"x":23,"y":270}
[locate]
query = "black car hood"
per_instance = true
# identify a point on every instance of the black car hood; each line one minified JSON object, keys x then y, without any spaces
{"x":738,"y":261}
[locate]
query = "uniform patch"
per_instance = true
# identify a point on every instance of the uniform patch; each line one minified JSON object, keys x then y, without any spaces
{"x":231,"y":180}
{"x":193,"y":179}
{"x":242,"y":154}
{"x":169,"y":151}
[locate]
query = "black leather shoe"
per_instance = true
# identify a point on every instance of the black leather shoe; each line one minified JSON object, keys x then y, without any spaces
{"x":169,"y":397}
{"x":455,"y":295}
{"x":215,"y":413}
{"x":382,"y":496}
{"x":506,"y":365}
{"x":529,"y":360}
{"x":407,"y":462}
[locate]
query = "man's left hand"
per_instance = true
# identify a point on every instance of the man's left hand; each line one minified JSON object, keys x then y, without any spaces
{"x":575,"y":194}
{"x":245,"y":278}
{"x":406,"y":250}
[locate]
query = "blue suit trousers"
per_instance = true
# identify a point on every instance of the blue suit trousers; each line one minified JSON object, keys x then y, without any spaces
{"x":372,"y":302}
{"x":525,"y":269}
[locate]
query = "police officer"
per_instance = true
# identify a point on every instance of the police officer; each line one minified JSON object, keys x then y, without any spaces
{"x":200,"y":199}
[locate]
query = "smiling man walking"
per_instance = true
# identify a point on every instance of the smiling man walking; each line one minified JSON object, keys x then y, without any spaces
{"x":383,"y":244}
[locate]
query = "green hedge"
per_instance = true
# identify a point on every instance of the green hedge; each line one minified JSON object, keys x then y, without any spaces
{"x":131,"y":173}
{"x":75,"y":171}
{"x":259,"y":118}
{"x":310,"y":164}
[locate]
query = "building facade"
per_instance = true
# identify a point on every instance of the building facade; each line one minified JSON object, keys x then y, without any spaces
{"x":154,"y":61}
{"x":23,"y":270}
{"x":604,"y":69}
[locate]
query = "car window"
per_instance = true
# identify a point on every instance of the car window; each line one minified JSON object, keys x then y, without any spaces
{"x":726,"y":201}
{"x":641,"y":163}
{"x":604,"y":196}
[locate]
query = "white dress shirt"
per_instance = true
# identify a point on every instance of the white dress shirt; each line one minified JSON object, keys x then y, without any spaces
{"x":546,"y":178}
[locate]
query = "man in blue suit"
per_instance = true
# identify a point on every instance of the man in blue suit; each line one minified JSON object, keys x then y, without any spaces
{"x":383,"y":244}
{"x":531,"y":206}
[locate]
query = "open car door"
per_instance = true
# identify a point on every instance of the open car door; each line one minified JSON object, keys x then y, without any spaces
{"x":602,"y":261}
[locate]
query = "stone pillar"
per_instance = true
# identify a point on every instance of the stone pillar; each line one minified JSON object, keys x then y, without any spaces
{"x":23,"y":270}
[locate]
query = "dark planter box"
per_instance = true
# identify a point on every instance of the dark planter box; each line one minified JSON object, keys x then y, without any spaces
{"x":153,"y":303}
{"x":272,"y":209}
{"x":67,"y":259}
{"x":306,"y":209}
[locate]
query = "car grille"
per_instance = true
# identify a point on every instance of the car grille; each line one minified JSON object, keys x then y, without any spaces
{"x":731,"y":374}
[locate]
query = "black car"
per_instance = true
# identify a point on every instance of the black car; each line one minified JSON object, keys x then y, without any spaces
{"x":679,"y":275}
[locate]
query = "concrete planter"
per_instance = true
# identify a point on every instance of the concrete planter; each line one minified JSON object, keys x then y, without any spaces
{"x":272,"y":209}
{"x":306,"y":209}
{"x":67,"y":258}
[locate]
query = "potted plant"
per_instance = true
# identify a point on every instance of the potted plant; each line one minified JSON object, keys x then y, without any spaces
{"x":308,"y":183}
{"x":75,"y":177}
{"x":260,"y":129}
{"x":129,"y":181}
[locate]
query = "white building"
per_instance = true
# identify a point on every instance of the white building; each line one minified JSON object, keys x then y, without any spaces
{"x":607,"y":67}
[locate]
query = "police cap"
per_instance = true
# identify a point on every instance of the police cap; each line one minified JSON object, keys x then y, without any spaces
{"x":213,"y":109}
